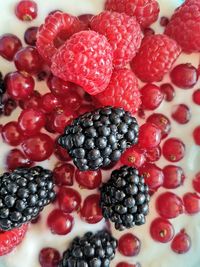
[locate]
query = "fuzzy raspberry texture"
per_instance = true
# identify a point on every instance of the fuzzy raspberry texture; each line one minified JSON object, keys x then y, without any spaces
{"x":54,"y":24}
{"x":123,"y":33}
{"x":10,"y":239}
{"x":155,"y":57}
{"x":145,"y":11}
{"x":184,"y":26}
{"x":85,"y":59}
{"x":122,"y":91}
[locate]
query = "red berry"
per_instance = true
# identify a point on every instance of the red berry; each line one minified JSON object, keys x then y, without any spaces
{"x":162,"y":122}
{"x":181,"y":243}
{"x":91,"y":211}
{"x":125,"y":264}
{"x":88,"y":179}
{"x":192,"y":203}
{"x":146,"y":12}
{"x":63,"y":174}
{"x":151,"y":96}
{"x":196,"y":135}
{"x":49,"y":102}
{"x":11,"y":134}
{"x":153,"y":154}
{"x":164,"y":21}
{"x":32,"y":101}
{"x":122,"y":91}
{"x":30,"y":35}
{"x":92,"y":50}
{"x":72,"y":100}
{"x":184,"y":76}
{"x":16,"y":158}
{"x":85,"y":108}
{"x":59,"y":87}
{"x":11,"y":239}
{"x":85,"y":19}
{"x":69,"y":200}
{"x":184,"y":26}
{"x":161,"y":230}
{"x":196,"y":97}
{"x":149,"y":136}
{"x":173,"y":149}
{"x":31,"y":121}
{"x":173,"y":176}
{"x":169,"y":205}
{"x":129,"y":245}
{"x":28,"y":59}
{"x":123,"y":33}
{"x":9,"y":106}
{"x":49,"y":257}
{"x":148,"y":31}
{"x":196,"y":182}
{"x":153,"y":176}
{"x":60,"y":223}
{"x":181,"y":113}
{"x":168,"y":90}
{"x":61,"y":153}
{"x":133,"y":157}
{"x":38,"y":147}
{"x":20,"y":85}
{"x":9,"y":45}
{"x":26,"y":10}
{"x":155,"y":57}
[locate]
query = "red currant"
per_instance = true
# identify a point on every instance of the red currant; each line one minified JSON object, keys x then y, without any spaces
{"x":196,"y":182}
{"x":91,"y":211}
{"x":133,"y":156}
{"x":153,"y":154}
{"x":181,"y":114}
{"x":26,"y":10}
{"x":72,"y":100}
{"x":32,"y":102}
{"x":69,"y":200}
{"x":19,"y":85}
{"x":151,"y":96}
{"x":11,"y":134}
{"x":85,"y":19}
{"x":16,"y":158}
{"x":162,"y":122}
{"x":184,"y":76}
{"x":38,"y":147}
{"x":161,"y":230}
{"x":149,"y":136}
{"x":164,"y":21}
{"x":181,"y":243}
{"x":88,"y":179}
{"x":173,"y":149}
{"x":9,"y":106}
{"x":148,"y":31}
{"x":169,"y":205}
{"x":61,"y":153}
{"x":173,"y":176}
{"x":49,"y":257}
{"x":48,"y":102}
{"x":60,"y":223}
{"x":63,"y":174}
{"x":196,"y":97}
{"x":192,"y":203}
{"x":30,"y":35}
{"x":168,"y":90}
{"x":9,"y":45}
{"x":125,"y":264}
{"x":196,"y":135}
{"x":129,"y":245}
{"x":59,"y":87}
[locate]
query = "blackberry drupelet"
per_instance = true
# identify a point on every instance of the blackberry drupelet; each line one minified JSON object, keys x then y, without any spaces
{"x":23,"y":194}
{"x":98,"y":138}
{"x":2,"y":91}
{"x":124,"y":198}
{"x":91,"y":250}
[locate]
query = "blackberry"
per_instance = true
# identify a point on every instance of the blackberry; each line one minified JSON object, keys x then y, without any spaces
{"x":124,"y":198}
{"x":91,"y":250}
{"x":2,"y":91}
{"x":23,"y":194}
{"x":98,"y":138}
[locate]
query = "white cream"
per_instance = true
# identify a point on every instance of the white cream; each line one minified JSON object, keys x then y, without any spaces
{"x":152,"y":254}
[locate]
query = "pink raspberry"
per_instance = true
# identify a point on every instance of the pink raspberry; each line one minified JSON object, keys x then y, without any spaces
{"x":155,"y":57}
{"x":85,"y":59}
{"x":55,"y":24}
{"x":145,"y":11}
{"x":122,"y":91}
{"x":184,"y":26}
{"x":123,"y":33}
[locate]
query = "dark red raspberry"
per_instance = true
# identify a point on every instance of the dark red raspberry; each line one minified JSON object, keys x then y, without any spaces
{"x":184,"y":26}
{"x":85,"y":59}
{"x":123,"y":33}
{"x":155,"y":57}
{"x":145,"y":11}
{"x":122,"y":91}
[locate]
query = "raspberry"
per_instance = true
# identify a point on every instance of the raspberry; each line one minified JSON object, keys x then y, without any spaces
{"x":184,"y":26}
{"x":122,"y":91}
{"x":54,"y":24}
{"x":145,"y":11}
{"x":155,"y":57}
{"x":10,"y":239}
{"x":123,"y":33}
{"x":85,"y":59}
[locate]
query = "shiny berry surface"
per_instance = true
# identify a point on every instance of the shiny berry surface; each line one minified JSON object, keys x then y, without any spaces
{"x":72,"y":100}
{"x":149,"y":136}
{"x":168,"y":91}
{"x":173,"y":149}
{"x":196,"y":97}
{"x":196,"y":182}
{"x":161,"y":230}
{"x":11,"y":134}
{"x":181,"y":113}
{"x":33,"y":101}
{"x":181,"y":243}
{"x":85,"y":19}
{"x":196,"y":135}
{"x":151,"y":96}
{"x":16,"y":158}
{"x":49,"y":257}
{"x":69,"y":200}
{"x":61,"y":153}
{"x":63,"y":174}
{"x":60,"y":223}
{"x":153,"y":154}
{"x":164,"y":21}
{"x":48,"y":102}
{"x":9,"y":106}
{"x":162,"y":122}
{"x":134,"y":157}
{"x":59,"y":87}
{"x":173,"y":176}
{"x":129,"y":245}
{"x":26,"y":10}
{"x":192,"y":203}
{"x":88,"y":179}
{"x":9,"y":45}
{"x":30,"y":36}
{"x":169,"y":205}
